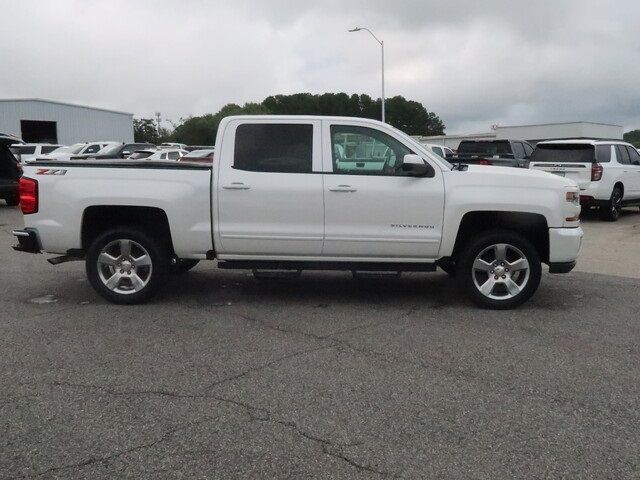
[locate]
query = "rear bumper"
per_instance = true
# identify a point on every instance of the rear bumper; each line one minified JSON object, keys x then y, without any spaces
{"x":564,"y":245}
{"x":28,"y":241}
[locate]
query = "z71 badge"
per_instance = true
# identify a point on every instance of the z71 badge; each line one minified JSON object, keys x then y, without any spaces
{"x":51,"y":171}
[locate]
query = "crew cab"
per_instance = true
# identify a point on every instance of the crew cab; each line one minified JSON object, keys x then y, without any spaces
{"x":290,"y":193}
{"x":502,"y":153}
{"x":607,"y":171}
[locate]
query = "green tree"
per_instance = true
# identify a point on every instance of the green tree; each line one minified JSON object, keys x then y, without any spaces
{"x":145,"y":130}
{"x":633,"y":137}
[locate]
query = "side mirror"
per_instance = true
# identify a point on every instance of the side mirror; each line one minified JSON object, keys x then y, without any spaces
{"x":415,"y":166}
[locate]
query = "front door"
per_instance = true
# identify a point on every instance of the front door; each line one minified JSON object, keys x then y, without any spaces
{"x":372,"y":209}
{"x":268,"y":191}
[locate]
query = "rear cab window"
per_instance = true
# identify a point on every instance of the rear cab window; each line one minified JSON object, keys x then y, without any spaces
{"x":564,"y":153}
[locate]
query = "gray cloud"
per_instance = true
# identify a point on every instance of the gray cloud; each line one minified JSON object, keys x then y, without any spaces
{"x":473,"y":63}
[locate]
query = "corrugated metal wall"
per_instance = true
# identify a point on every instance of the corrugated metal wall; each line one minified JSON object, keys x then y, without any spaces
{"x":74,"y":123}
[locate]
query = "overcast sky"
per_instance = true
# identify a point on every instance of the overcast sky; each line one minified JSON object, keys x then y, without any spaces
{"x":474,"y":63}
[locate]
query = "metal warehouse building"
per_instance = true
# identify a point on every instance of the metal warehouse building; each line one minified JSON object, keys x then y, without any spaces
{"x":534,"y":133}
{"x":44,"y":121}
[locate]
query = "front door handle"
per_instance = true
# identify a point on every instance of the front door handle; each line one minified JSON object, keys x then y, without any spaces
{"x":236,"y":186}
{"x":343,"y":188}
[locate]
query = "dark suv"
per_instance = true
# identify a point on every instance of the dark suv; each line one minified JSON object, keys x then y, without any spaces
{"x":10,"y":171}
{"x":501,"y":153}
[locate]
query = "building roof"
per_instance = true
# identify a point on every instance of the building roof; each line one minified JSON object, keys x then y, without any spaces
{"x":559,"y":123}
{"x":62,"y":103}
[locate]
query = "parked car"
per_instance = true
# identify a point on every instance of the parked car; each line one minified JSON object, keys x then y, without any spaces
{"x":142,"y":154}
{"x":26,"y":152}
{"x":202,"y":156}
{"x":180,"y":146}
{"x":116,"y":150}
{"x":168,"y":154}
{"x":607,"y":172}
{"x":501,"y":153}
{"x":10,"y":171}
{"x":79,"y":150}
{"x":280,"y":196}
{"x":441,"y":150}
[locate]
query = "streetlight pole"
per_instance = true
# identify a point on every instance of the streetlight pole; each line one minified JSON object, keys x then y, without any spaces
{"x":381,"y":42}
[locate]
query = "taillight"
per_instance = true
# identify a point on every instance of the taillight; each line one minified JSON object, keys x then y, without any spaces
{"x":28,"y":195}
{"x":484,"y":162}
{"x":596,"y":172}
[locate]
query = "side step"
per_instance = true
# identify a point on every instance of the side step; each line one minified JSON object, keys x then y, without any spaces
{"x":273,"y":274}
{"x":277,"y":265}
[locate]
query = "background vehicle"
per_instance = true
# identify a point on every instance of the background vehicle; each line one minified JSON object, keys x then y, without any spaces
{"x":116,"y":150}
{"x":502,"y":153}
{"x":180,"y":146}
{"x":607,"y":172}
{"x":9,"y":171}
{"x":29,"y":151}
{"x":293,"y":193}
{"x":441,"y":150}
{"x":203,"y":156}
{"x":168,"y":154}
{"x":140,"y":154}
{"x":80,"y":150}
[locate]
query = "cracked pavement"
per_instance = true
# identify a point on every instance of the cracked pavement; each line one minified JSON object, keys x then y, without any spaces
{"x":225,"y":376}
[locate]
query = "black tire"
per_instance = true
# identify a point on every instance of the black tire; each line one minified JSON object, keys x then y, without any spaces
{"x":12,"y":201}
{"x":183,"y":265}
{"x":613,"y":209}
{"x":153,"y":275}
{"x":517,"y":245}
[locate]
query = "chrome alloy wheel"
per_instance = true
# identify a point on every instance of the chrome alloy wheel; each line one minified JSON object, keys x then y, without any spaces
{"x":500,"y":271}
{"x":124,"y":266}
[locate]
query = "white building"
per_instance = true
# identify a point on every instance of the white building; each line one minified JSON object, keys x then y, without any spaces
{"x":36,"y":120}
{"x":534,"y":133}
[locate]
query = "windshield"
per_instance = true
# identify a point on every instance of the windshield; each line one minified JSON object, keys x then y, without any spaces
{"x":199,"y":153}
{"x":137,"y":155}
{"x":484,"y":148}
{"x":111,"y":149}
{"x":574,"y":153}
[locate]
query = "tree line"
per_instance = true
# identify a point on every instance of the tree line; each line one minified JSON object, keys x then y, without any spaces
{"x":407,"y":115}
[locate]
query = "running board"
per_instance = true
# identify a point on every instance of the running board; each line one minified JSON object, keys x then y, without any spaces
{"x":344,"y":266}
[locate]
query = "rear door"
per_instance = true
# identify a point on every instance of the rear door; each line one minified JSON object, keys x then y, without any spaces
{"x":571,"y":160}
{"x":372,"y":210}
{"x":268,"y":195}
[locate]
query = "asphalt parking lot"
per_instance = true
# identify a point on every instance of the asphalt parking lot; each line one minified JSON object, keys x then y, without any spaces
{"x":225,"y":376}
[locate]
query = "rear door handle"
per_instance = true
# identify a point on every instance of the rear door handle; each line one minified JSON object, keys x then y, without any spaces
{"x":343,"y":188}
{"x":236,"y":186}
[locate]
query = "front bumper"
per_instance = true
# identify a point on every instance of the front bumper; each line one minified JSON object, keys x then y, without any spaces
{"x":564,"y":245}
{"x":28,"y":241}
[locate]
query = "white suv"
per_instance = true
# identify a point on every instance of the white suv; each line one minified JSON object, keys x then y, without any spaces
{"x":440,"y":150}
{"x":28,"y":151}
{"x":607,"y":171}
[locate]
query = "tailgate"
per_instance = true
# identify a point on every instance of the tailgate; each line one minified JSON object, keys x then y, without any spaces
{"x":573,"y":161}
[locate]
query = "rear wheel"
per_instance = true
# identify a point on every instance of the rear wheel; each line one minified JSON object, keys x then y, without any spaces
{"x":613,"y":208}
{"x":499,"y":270}
{"x":125,"y":265}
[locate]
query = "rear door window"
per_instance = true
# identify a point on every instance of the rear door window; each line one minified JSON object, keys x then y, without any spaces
{"x":438,"y":151}
{"x":275,"y":148}
{"x":518,"y":150}
{"x":564,"y":153}
{"x":49,"y":148}
{"x":27,"y":150}
{"x":528,"y":149}
{"x":603,"y":153}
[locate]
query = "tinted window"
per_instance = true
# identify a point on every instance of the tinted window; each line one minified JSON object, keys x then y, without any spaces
{"x":92,"y":149}
{"x":49,"y":149}
{"x":365,"y":151}
{"x":276,"y":148}
{"x":174,"y":155}
{"x":26,"y":150}
{"x":578,"y":153}
{"x":500,"y":147}
{"x":622,"y":154}
{"x":634,"y":156}
{"x":438,"y":151}
{"x":603,"y":153}
{"x":518,"y":150}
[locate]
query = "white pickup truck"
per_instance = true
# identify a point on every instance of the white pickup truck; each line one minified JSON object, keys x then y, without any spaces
{"x":291,"y":193}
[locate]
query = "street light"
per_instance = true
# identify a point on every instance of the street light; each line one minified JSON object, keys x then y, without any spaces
{"x":381,"y":42}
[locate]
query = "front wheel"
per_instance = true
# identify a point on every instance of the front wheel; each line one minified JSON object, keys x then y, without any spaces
{"x":499,"y":270}
{"x":125,"y":265}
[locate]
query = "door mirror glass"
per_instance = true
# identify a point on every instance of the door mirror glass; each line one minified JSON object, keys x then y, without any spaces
{"x":415,"y":166}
